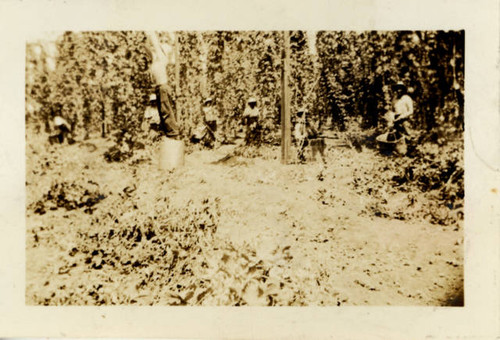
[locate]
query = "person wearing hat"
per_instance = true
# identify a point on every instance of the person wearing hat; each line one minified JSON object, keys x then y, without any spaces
{"x":403,"y":110}
{"x":251,"y":119}
{"x":210,"y":121}
{"x":210,"y":115}
{"x":151,"y":116}
{"x":63,"y":129}
{"x":303,"y":132}
{"x":151,"y":111}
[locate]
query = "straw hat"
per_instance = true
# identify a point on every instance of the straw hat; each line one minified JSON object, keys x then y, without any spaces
{"x":400,"y":85}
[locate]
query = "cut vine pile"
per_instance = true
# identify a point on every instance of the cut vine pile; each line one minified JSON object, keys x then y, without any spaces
{"x":69,"y":196}
{"x":428,"y":186}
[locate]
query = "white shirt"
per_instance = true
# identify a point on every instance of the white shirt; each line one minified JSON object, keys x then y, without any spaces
{"x":249,"y":112}
{"x":158,"y":67}
{"x":299,"y":131}
{"x":159,"y":71}
{"x":60,"y":121}
{"x":403,"y":107}
{"x":210,"y":114}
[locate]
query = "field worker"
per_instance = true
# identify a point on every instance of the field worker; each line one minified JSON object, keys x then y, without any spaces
{"x":251,"y":119}
{"x":164,"y":101}
{"x":62,"y":127}
{"x":210,"y":118}
{"x":151,"y":112}
{"x":403,"y":110}
{"x":206,"y":132}
{"x":303,"y":132}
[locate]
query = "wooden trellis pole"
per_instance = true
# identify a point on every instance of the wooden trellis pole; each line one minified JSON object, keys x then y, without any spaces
{"x":285,"y":102}
{"x":177,"y":74}
{"x":103,"y":112}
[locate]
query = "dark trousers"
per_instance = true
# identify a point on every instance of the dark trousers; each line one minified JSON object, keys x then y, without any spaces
{"x":253,"y":129}
{"x":403,"y":128}
{"x":301,"y":150}
{"x":166,"y":110}
{"x":63,"y":133}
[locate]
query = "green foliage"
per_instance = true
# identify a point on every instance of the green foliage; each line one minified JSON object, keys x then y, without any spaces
{"x":229,"y":67}
{"x":100,"y":82}
{"x":38,"y":86}
{"x":358,"y":69}
{"x":101,"y":72}
{"x":102,"y":78}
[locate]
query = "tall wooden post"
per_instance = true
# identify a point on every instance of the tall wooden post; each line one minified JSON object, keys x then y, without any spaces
{"x":204,"y":65}
{"x":177,"y":75}
{"x":285,"y":102}
{"x":103,"y":112}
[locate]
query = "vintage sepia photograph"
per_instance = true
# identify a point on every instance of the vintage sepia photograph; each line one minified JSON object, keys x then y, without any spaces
{"x":245,"y":168}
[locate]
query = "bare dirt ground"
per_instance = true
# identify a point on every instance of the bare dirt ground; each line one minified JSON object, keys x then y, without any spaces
{"x":248,"y":231}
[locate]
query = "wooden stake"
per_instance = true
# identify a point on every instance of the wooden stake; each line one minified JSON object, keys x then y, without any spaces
{"x":285,"y":102}
{"x":204,"y":65}
{"x":103,"y":112}
{"x":177,"y":75}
